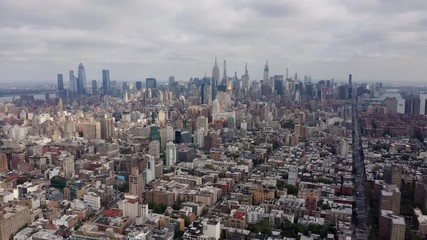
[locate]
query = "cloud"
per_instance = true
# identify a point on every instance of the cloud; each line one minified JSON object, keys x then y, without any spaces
{"x":138,"y":39}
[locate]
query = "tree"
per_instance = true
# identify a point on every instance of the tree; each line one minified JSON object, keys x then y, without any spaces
{"x":292,"y":190}
{"x":264,"y":227}
{"x":157,"y":208}
{"x":288,"y":124}
{"x":177,"y":205}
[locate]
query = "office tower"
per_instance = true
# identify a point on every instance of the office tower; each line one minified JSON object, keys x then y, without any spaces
{"x":350,"y":87}
{"x":170,"y":154}
{"x":94,"y":87}
{"x":125,"y":87}
{"x":138,"y":85}
{"x":178,"y":137}
{"x":278,"y":84}
{"x":287,"y":71}
{"x":391,"y":227}
{"x":60,"y":86}
{"x":408,"y":106}
{"x":266,"y":77}
{"x":342,"y":92}
{"x":215,"y":78}
{"x":391,"y":105}
{"x":73,"y":82}
{"x":81,"y":80}
{"x":416,"y":105}
{"x":245,"y":78}
{"x":224,"y":80}
{"x":202,"y":93}
{"x":150,"y":83}
{"x":425,"y":107}
{"x":154,"y":133}
{"x":105,"y":82}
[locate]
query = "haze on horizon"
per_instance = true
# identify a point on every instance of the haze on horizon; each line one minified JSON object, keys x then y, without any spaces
{"x":376,"y":40}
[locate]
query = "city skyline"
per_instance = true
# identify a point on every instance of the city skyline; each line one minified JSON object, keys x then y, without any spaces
{"x":137,"y":40}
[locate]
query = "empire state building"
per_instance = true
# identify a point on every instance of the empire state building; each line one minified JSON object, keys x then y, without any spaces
{"x":215,"y":78}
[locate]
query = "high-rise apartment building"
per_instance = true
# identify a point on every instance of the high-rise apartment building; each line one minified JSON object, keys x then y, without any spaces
{"x":91,"y":130}
{"x":12,"y":219}
{"x":136,"y":183}
{"x":3,"y":163}
{"x":391,"y":227}
{"x":154,"y":149}
{"x":391,"y":105}
{"x":67,"y":161}
{"x":107,"y":127}
{"x":170,"y":154}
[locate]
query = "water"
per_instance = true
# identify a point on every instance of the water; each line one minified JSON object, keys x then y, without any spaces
{"x":9,"y":98}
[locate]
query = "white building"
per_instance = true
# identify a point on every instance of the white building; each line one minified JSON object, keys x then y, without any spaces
{"x":170,"y":154}
{"x":212,"y":229}
{"x":93,"y":200}
{"x":170,"y":133}
{"x":18,"y":133}
{"x":154,"y":149}
{"x":255,"y":215}
{"x":150,"y":172}
{"x":67,"y":160}
{"x":199,"y":138}
{"x":130,"y":206}
{"x":293,"y":175}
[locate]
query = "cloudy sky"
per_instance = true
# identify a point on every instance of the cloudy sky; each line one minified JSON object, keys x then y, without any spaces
{"x":376,"y":40}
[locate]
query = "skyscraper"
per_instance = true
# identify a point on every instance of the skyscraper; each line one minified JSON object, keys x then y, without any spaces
{"x":278,"y":84}
{"x":266,"y":77}
{"x":73,"y":82}
{"x":224,"y":76}
{"x":60,"y":86}
{"x":408,"y":106}
{"x":81,"y":80}
{"x":245,"y":78}
{"x":350,"y":86}
{"x":215,"y":78}
{"x":150,"y":83}
{"x":138,"y":85}
{"x":94,"y":87}
{"x":170,"y":154}
{"x":202,"y":93}
{"x":416,"y":106}
{"x":105,"y":82}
